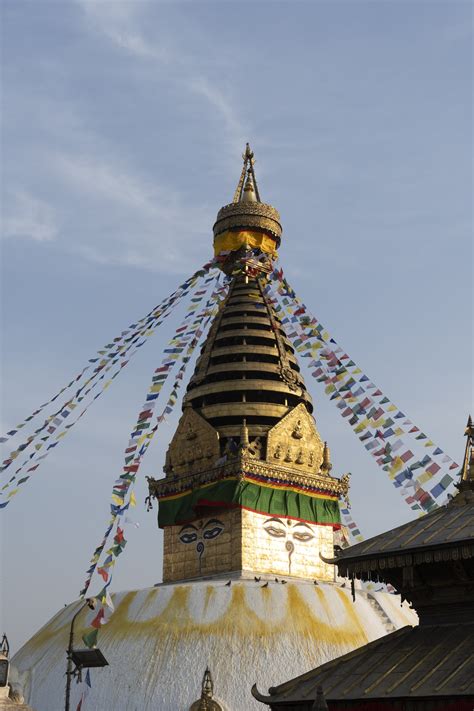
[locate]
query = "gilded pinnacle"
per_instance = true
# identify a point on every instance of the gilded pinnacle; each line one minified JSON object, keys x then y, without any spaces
{"x":467,"y":475}
{"x":247,"y":211}
{"x":248,"y":194}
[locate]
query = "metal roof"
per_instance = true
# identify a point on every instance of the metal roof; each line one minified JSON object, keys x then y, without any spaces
{"x":452,"y":524}
{"x":413,"y":662}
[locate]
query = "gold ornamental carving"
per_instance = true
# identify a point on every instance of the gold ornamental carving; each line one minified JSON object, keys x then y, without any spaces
{"x":245,"y":214}
{"x":194,"y":447}
{"x":295,"y":442}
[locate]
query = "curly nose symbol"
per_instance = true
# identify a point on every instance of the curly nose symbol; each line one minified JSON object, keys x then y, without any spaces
{"x":290,"y":547}
{"x":200,"y":550}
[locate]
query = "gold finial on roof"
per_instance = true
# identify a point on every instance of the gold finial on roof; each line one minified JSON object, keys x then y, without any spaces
{"x":207,"y":701}
{"x":326,"y":465}
{"x":207,"y":688}
{"x":244,"y":435}
{"x":467,"y":475}
{"x":320,"y":703}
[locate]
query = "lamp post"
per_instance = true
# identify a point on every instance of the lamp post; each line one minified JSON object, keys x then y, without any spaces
{"x":80,"y":657}
{"x":4,"y":667}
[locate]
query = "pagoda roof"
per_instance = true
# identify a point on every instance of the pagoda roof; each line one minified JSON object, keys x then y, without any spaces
{"x":434,"y":661}
{"x":448,"y":526}
{"x":443,"y":534}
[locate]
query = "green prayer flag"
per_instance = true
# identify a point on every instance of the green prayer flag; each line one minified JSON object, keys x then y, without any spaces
{"x":90,"y":638}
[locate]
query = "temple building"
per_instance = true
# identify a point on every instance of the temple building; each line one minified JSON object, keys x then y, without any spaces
{"x":425,"y":668}
{"x":249,"y":509}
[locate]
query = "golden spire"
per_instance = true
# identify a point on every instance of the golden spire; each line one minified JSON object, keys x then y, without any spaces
{"x":251,"y":183}
{"x":467,"y":472}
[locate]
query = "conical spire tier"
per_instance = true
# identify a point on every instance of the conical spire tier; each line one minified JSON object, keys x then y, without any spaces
{"x":247,"y":368}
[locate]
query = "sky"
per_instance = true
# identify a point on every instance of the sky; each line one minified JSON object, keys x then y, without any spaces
{"x":124,"y":124}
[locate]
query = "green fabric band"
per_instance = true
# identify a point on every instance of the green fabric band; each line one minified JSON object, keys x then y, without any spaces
{"x":232,"y":493}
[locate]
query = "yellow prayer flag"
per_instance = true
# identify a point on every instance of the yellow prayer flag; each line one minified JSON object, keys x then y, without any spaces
{"x":395,"y":467}
{"x":426,"y":476}
{"x":133,"y":501}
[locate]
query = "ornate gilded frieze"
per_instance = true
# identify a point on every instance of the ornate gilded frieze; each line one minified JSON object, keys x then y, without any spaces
{"x":239,"y":466}
{"x":251,"y":215}
{"x":195,"y":445}
{"x":295,"y":442}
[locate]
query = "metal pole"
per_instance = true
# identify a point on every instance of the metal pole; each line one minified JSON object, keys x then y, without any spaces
{"x":69,"y":671}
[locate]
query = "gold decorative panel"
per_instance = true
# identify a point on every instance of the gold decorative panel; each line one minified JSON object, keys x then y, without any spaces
{"x":194,"y":447}
{"x":295,"y":442}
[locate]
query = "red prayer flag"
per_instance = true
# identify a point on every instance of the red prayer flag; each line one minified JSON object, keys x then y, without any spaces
{"x":98,"y":619}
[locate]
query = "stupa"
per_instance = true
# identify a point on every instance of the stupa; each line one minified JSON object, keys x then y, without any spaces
{"x":248,"y":503}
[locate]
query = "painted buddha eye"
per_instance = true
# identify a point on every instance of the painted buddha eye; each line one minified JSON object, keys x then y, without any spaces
{"x":188,"y":534}
{"x":212,"y":529}
{"x":302,"y":535}
{"x":275,"y":531}
{"x":302,"y":532}
{"x":212,"y":533}
{"x":275,"y":527}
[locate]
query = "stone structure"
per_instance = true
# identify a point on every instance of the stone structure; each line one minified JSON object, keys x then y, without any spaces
{"x":248,"y":503}
{"x":248,"y":485}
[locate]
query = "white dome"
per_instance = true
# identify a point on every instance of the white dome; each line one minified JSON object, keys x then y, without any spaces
{"x":160,"y":640}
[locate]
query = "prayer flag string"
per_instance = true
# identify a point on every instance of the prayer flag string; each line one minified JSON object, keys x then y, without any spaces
{"x":186,"y":337}
{"x":57,"y":428}
{"x":381,"y":426}
{"x":116,"y":344}
{"x":119,"y":348}
{"x":127,"y":479}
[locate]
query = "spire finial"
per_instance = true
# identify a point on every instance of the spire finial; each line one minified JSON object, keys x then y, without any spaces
{"x":326,"y":465}
{"x":207,"y":687}
{"x":320,"y":703}
{"x":244,"y":435}
{"x":467,"y":475}
{"x":249,"y":193}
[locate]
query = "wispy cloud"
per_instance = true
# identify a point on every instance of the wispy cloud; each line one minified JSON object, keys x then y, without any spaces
{"x":148,"y":226}
{"x":29,"y":217}
{"x":119,"y":22}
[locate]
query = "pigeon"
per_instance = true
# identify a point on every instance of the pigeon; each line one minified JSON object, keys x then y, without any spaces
{"x":276,"y":580}
{"x":229,"y":583}
{"x":257,"y":580}
{"x":283,"y":582}
{"x":343,"y":585}
{"x":265,"y":585}
{"x":315,"y":582}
